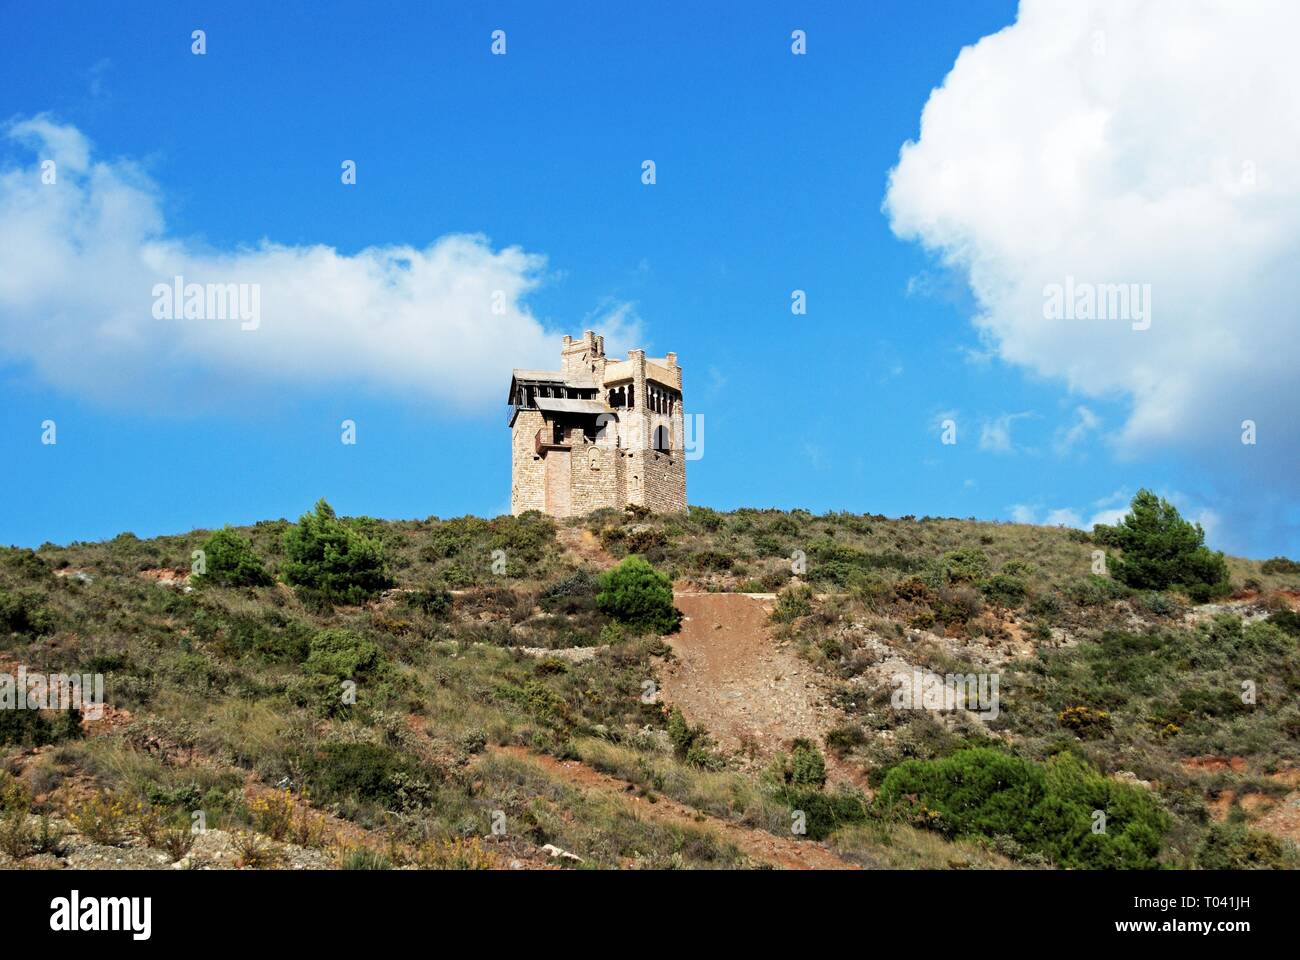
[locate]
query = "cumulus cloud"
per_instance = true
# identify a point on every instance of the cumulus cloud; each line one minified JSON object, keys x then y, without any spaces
{"x":81,"y":261}
{"x":1110,"y":142}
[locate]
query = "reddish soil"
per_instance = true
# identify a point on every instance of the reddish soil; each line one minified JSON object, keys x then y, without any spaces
{"x":751,"y":694}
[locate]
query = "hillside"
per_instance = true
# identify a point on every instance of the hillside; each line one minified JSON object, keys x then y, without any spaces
{"x":504,"y":718}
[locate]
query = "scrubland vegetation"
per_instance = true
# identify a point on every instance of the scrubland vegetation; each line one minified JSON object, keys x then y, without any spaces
{"x":383,"y":692}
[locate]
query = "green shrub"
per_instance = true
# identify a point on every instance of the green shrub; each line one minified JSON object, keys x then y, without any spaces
{"x":229,"y":561}
{"x":24,"y":564}
{"x":271,"y":635}
{"x":576,"y":593}
{"x":707,"y":518}
{"x":1280,"y":565}
{"x":33,"y":728}
{"x":341,"y":654}
{"x":843,"y":565}
{"x":824,"y":813}
{"x":1161,"y":550}
{"x":792,"y":603}
{"x":327,"y":557}
{"x":1004,"y":589}
{"x":430,"y":600}
{"x":1233,"y":846}
{"x":804,"y":766}
{"x":21,"y":612}
{"x":965,"y":566}
{"x":451,"y":538}
{"x":367,"y":772}
{"x":1047,"y":809}
{"x":843,"y":738}
{"x":1159,"y":604}
{"x":1093,"y":591}
{"x":712,"y":560}
{"x":638,"y":596}
{"x":690,"y":744}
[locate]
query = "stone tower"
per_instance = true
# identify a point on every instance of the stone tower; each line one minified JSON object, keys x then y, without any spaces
{"x":597,"y":433}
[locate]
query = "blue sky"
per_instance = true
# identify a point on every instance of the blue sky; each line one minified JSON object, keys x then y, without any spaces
{"x":771,"y":174}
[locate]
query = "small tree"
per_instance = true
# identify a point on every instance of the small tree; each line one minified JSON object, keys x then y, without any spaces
{"x":1161,"y":550}
{"x":326,"y":556}
{"x":229,"y":561}
{"x":636,"y":594}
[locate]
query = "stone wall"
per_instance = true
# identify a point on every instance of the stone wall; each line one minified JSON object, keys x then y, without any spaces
{"x":596,"y":481}
{"x":665,"y":481}
{"x":527,"y":471}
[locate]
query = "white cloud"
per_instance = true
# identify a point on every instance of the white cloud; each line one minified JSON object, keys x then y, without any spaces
{"x":1023,"y":513}
{"x":1085,"y":423}
{"x":1117,"y":142}
{"x":79,"y":260}
{"x":1063,"y":517}
{"x":1108,"y":517}
{"x":995,"y":434}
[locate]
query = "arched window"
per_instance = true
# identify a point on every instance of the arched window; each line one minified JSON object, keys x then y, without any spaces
{"x":663,"y":440}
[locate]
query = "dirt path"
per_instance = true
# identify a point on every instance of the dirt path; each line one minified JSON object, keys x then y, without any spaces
{"x":759,"y":845}
{"x":750,"y":694}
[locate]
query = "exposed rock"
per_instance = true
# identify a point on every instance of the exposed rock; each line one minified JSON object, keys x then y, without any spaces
{"x":554,"y":852}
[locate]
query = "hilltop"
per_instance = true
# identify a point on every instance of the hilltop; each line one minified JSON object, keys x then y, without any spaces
{"x":503,"y":716}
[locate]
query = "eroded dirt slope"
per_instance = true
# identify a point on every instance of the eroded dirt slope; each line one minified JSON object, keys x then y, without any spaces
{"x":751,"y":694}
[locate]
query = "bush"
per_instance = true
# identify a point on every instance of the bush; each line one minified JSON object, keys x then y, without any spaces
{"x":804,"y":766}
{"x":433,"y":601}
{"x":1233,"y":846}
{"x":229,"y":561}
{"x":370,"y":773}
{"x":965,"y":566}
{"x":31,"y":728}
{"x":690,"y":744}
{"x":638,"y":596}
{"x":25,"y":564}
{"x":1093,"y":591}
{"x":270,"y":635}
{"x":824,"y":813}
{"x":1088,"y":723}
{"x":341,"y":654}
{"x":1280,"y":565}
{"x":1047,"y":809}
{"x":22,"y":613}
{"x":1005,"y":590}
{"x":327,"y":557}
{"x":1161,"y":550}
{"x":843,"y":565}
{"x":707,"y":560}
{"x":1286,"y":620}
{"x":576,"y":593}
{"x":843,"y":738}
{"x":793,"y":603}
